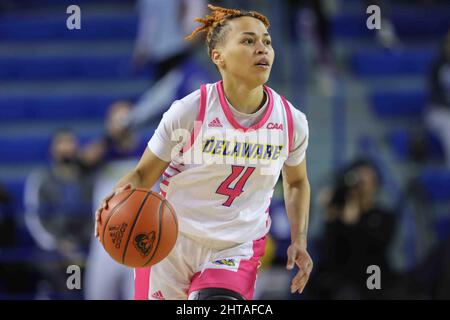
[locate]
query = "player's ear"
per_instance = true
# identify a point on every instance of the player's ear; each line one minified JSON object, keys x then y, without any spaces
{"x":217,"y":58}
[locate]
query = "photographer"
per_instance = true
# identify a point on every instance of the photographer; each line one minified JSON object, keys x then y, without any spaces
{"x":358,"y":233}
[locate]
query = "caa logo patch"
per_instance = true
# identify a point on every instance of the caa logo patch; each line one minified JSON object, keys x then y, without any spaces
{"x":276,"y":126}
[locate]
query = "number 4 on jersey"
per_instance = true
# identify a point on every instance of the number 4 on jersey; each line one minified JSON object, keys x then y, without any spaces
{"x":235,"y":192}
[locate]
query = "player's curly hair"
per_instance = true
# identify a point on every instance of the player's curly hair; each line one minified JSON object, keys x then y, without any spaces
{"x":213,"y":24}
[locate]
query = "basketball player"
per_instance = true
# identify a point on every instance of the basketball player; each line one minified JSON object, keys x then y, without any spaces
{"x":242,"y":135}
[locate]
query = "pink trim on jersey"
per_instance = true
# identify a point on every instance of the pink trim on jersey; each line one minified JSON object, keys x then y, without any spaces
{"x":290,"y":121}
{"x":229,"y":114}
{"x":166,"y":181}
{"x":163,"y":193}
{"x":167,"y":175}
{"x":242,"y":281}
{"x":172,"y":167}
{"x":141,"y":283}
{"x":200,"y":118}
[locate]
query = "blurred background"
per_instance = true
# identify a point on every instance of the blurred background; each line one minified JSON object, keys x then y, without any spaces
{"x":77,"y":108}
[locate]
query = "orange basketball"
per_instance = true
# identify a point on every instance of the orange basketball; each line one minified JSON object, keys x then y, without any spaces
{"x":139,"y":228}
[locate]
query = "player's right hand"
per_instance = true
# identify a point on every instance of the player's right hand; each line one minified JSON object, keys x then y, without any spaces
{"x":104,"y":206}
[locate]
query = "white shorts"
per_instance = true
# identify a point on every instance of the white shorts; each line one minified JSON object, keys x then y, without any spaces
{"x":193,"y":265}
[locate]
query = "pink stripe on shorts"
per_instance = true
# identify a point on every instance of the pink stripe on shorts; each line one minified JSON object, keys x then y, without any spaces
{"x":242,"y":281}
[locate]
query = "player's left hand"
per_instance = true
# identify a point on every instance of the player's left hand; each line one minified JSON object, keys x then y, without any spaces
{"x":298,"y":255}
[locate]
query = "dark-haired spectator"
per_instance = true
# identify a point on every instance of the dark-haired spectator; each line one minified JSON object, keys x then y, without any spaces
{"x":57,"y":201}
{"x":118,"y":141}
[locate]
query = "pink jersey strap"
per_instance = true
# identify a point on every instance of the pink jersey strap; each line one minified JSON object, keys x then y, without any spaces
{"x":200,"y":118}
{"x":290,"y":121}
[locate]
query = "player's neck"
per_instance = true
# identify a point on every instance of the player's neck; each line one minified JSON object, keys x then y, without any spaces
{"x":242,"y":98}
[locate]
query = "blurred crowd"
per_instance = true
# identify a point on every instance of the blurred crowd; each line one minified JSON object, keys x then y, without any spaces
{"x":358,"y":230}
{"x":61,"y":197}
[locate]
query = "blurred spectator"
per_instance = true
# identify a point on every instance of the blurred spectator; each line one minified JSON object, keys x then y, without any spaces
{"x":386,"y":36}
{"x":163,"y":24}
{"x":57,"y":200}
{"x":438,"y":115}
{"x":309,"y":25}
{"x":118,"y":142}
{"x":160,"y":44}
{"x":358,"y":232}
{"x":320,"y":24}
{"x":111,"y":156}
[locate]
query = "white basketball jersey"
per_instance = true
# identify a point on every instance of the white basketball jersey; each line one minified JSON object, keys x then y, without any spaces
{"x":222,"y":183}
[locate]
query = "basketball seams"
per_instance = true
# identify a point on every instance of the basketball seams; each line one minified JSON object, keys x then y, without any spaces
{"x":145,"y":204}
{"x":113,"y":211}
{"x":169,"y":206}
{"x":161,"y":210}
{"x":133,"y":225}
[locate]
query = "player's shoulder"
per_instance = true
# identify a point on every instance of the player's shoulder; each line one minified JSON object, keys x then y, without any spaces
{"x":298,"y":115}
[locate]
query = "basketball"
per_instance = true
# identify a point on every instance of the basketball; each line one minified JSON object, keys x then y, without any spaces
{"x":139,"y":228}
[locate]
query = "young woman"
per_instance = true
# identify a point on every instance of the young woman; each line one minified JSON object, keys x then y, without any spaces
{"x":242,"y":134}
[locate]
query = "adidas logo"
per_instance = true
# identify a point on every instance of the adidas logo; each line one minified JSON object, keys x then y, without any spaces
{"x":158,"y":295}
{"x":215,"y":123}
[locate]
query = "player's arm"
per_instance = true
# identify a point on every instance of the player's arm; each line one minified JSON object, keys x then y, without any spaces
{"x":297,"y":193}
{"x":179,"y":118}
{"x":144,"y":175}
{"x":297,"y":198}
